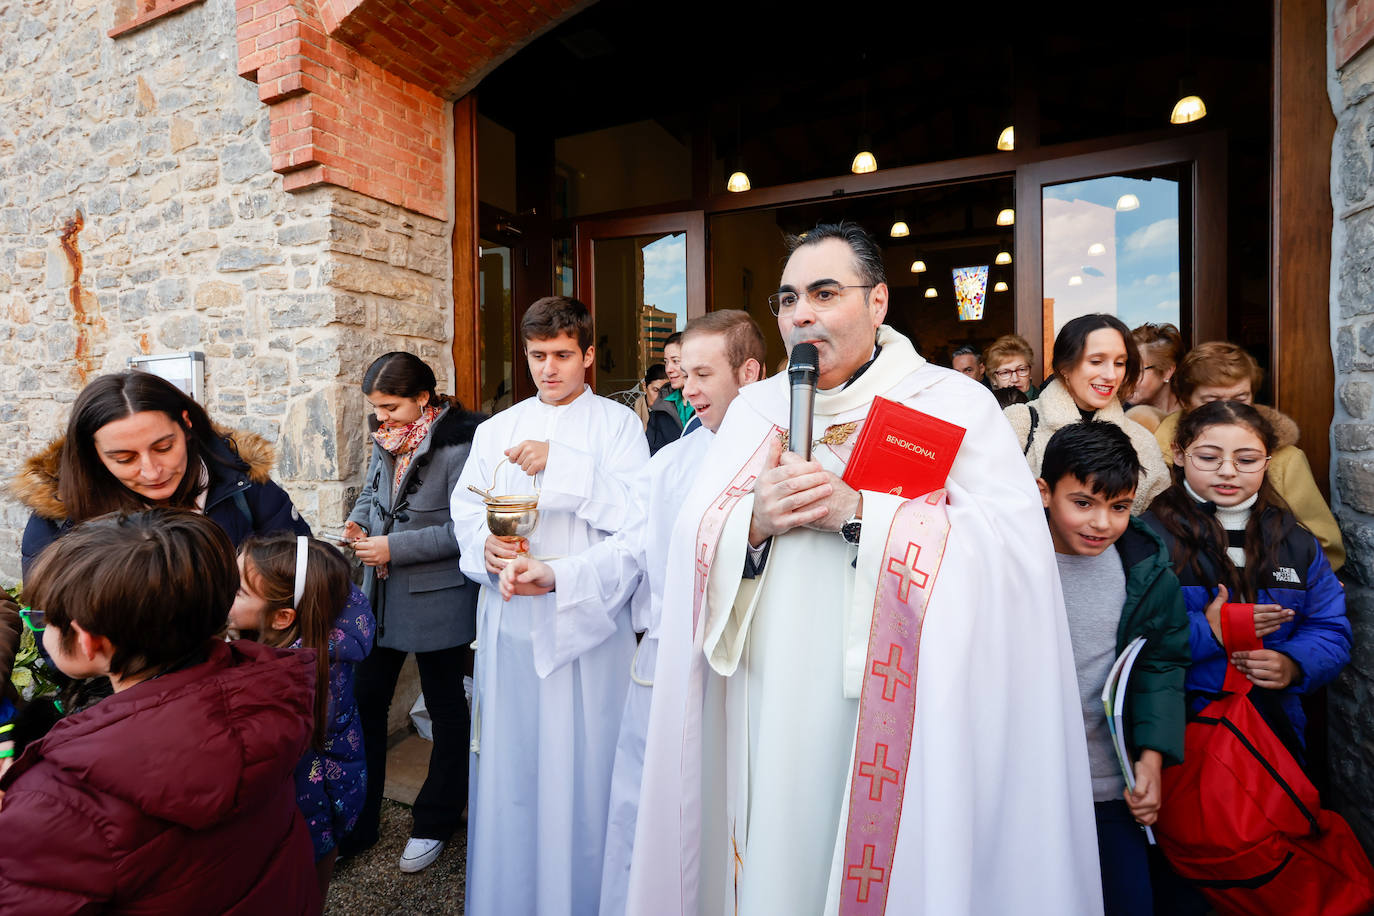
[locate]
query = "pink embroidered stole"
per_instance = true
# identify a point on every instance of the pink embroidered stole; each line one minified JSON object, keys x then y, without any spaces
{"x":887,"y":701}
{"x":713,"y":520}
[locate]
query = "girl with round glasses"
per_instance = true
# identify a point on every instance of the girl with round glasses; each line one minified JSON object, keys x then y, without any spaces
{"x":1232,"y":538}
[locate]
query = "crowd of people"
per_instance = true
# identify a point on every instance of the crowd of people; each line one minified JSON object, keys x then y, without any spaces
{"x":718,"y":675}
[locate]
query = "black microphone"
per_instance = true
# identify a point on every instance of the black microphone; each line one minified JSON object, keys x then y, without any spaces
{"x":802,"y":370}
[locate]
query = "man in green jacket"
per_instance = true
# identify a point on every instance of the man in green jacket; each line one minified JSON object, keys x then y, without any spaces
{"x":1118,"y":585}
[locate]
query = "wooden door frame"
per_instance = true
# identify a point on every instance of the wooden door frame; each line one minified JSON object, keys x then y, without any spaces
{"x":692,"y":222}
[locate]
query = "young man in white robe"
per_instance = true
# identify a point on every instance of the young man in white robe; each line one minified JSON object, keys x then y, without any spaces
{"x":548,"y":686}
{"x":864,"y":702}
{"x":721,"y":351}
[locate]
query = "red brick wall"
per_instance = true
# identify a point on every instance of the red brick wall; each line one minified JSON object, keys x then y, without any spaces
{"x":357,"y":87}
{"x":135,"y":14}
{"x":1353,"y":22}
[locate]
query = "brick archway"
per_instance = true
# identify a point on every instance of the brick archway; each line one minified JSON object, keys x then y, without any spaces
{"x":356,"y":88}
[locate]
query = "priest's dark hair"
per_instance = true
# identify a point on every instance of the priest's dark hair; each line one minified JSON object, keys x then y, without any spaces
{"x":403,"y":375}
{"x":1097,"y":453}
{"x":554,"y":315}
{"x":868,"y":257}
{"x":157,"y":584}
{"x":743,"y":339}
{"x":1072,"y":342}
{"x":1201,"y":539}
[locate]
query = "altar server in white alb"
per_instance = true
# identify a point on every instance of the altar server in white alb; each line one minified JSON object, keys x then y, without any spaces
{"x":721,"y":351}
{"x":549,"y":686}
{"x":863,"y":702}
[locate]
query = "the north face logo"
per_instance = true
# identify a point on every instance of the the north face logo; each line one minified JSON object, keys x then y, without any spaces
{"x":1287,"y":574}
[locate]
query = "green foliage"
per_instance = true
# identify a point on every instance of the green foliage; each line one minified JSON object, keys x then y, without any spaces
{"x":28,"y":676}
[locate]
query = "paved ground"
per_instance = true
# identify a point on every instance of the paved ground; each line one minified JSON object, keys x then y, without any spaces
{"x":371,"y":884}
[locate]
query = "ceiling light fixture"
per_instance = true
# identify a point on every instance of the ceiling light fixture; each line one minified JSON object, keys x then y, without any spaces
{"x":1003,"y":258}
{"x":1097,"y":248}
{"x":931,"y":293}
{"x":1006,"y":142}
{"x":900,"y":229}
{"x":918,"y":267}
{"x":1127,"y":202}
{"x":1007,"y":217}
{"x":1000,"y":286}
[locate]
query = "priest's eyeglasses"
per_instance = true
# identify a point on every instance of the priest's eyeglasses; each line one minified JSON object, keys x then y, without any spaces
{"x":821,"y":296}
{"x":34,"y":619}
{"x":1245,"y":463}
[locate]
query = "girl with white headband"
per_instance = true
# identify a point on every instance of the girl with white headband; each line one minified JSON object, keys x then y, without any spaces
{"x":295,"y":592}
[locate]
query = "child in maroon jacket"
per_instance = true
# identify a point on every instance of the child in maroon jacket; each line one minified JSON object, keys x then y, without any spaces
{"x":176,"y":794}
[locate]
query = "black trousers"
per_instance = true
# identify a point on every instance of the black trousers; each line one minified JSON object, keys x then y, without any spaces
{"x":439,"y":807}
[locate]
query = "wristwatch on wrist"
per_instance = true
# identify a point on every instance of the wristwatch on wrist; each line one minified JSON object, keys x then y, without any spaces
{"x":850,"y":530}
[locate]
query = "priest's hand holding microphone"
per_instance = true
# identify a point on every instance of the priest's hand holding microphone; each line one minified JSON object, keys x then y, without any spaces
{"x":794,"y":490}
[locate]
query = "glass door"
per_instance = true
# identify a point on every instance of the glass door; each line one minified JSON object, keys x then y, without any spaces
{"x":643,"y":278}
{"x":1138,"y":232}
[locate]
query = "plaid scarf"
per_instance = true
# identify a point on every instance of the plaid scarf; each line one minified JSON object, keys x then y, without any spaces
{"x":402,"y":441}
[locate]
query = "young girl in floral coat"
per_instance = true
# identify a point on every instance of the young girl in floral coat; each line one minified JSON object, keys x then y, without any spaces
{"x":295,"y":593}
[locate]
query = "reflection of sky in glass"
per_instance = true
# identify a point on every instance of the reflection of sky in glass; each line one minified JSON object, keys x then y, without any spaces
{"x":665,"y":275}
{"x":1136,"y":275}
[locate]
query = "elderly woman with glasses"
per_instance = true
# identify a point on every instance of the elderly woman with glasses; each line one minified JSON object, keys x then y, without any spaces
{"x":1008,"y":362}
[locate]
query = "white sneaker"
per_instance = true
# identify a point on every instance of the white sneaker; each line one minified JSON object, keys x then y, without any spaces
{"x":420,"y":854}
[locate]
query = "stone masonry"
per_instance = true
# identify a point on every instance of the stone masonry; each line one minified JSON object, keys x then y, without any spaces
{"x":139,"y":213}
{"x":1351,"y":86}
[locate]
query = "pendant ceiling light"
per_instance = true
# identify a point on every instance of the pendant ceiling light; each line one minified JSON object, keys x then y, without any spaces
{"x":1007,"y":141}
{"x":1000,"y":286}
{"x":864,"y":160}
{"x":931,"y":293}
{"x":918,"y":267}
{"x":900,"y":229}
{"x":1097,"y":248}
{"x":739,"y":179}
{"x":1187,"y":109}
{"x":1127,"y":202}
{"x":1003,"y":258}
{"x":1007,"y":217}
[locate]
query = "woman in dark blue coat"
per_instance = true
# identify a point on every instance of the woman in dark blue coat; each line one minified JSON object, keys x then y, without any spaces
{"x":402,"y":531}
{"x":134,"y":441}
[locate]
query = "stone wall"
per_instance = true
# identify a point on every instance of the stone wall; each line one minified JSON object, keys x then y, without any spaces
{"x":139,"y":213}
{"x":1352,"y":300}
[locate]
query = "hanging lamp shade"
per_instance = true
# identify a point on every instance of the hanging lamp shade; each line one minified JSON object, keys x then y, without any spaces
{"x":1127,"y":202}
{"x":930,"y":292}
{"x":1007,"y":217}
{"x":900,"y":229}
{"x":738,"y":182}
{"x":1003,"y":258}
{"x":918,"y":266}
{"x":1000,"y":286}
{"x":1006,"y":142}
{"x":864,"y":160}
{"x":1188,"y":109}
{"x":1097,"y":248}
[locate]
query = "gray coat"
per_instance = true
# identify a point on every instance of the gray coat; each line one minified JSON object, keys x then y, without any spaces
{"x":425,"y":603}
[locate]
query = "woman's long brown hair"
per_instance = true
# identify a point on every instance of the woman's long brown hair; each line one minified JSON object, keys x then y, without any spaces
{"x":1201,"y":539}
{"x":85,"y":486}
{"x":269,"y":569}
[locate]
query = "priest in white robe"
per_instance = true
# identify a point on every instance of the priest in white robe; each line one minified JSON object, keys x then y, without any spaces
{"x":863,"y":702}
{"x":548,"y":686}
{"x":720,"y":351}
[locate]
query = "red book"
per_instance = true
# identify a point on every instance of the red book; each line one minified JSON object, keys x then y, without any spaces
{"x":902,"y":451}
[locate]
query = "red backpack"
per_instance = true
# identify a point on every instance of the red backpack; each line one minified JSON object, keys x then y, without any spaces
{"x":1241,"y":821}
